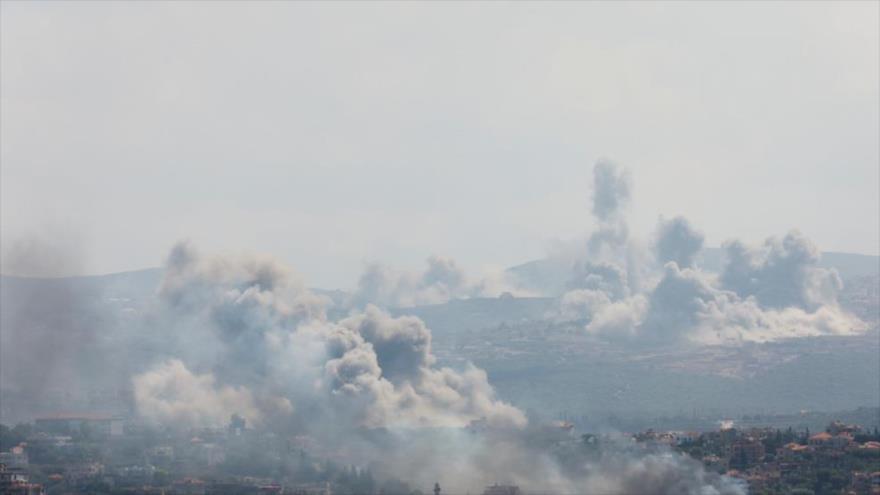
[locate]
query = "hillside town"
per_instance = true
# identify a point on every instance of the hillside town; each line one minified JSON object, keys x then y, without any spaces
{"x":103,"y":454}
{"x":841,"y":459}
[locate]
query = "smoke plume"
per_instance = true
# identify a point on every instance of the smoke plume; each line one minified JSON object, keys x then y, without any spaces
{"x":271,"y":343}
{"x":252,"y":341}
{"x":767,"y":293}
{"x":782,"y":273}
{"x":441,"y":281}
{"x":677,"y":241}
{"x":611,"y":194}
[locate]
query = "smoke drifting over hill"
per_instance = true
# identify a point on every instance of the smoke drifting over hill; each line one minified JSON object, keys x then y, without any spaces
{"x":442,"y":281}
{"x":243,"y":335}
{"x":678,"y":241}
{"x":275,"y":348}
{"x":246,"y":338}
{"x":654,"y":291}
{"x":767,"y":293}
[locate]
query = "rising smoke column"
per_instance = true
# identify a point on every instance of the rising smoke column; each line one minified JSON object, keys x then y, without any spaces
{"x":610,"y":264}
{"x":612,"y":192}
{"x":775,"y":291}
{"x":677,"y":241}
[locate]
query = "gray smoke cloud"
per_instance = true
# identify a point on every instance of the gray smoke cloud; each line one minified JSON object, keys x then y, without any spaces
{"x":660,"y":474}
{"x":389,"y":361}
{"x":172,"y":394}
{"x":271,"y":344}
{"x":57,"y":319}
{"x":685,"y":304}
{"x":783,"y":272}
{"x":367,"y":383}
{"x":540,"y":460}
{"x":677,"y":241}
{"x":604,"y":276}
{"x":611,"y":261}
{"x":766,"y":293}
{"x":612,"y":185}
{"x":611,"y":192}
{"x":441,"y":281}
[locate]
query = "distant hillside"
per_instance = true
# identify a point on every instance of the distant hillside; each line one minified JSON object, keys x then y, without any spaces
{"x":546,"y":275}
{"x":551,"y":276}
{"x":531,"y":361}
{"x":136,"y":284}
{"x":467,"y":315}
{"x":849,"y":265}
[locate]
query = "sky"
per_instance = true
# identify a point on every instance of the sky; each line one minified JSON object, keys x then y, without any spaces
{"x":335,"y":134}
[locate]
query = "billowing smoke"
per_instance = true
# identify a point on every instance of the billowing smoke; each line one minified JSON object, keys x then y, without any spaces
{"x":243,"y":335}
{"x":173,"y":394}
{"x":49,"y":326}
{"x":271,"y":344}
{"x":248,"y":339}
{"x":611,"y":262}
{"x":537,"y":464}
{"x":612,"y":187}
{"x":603,"y":276}
{"x":441,"y":281}
{"x":678,"y":241}
{"x":612,"y":190}
{"x":686,"y":304}
{"x":659,"y":474}
{"x":383,"y":367}
{"x":776,"y":291}
{"x":784,"y":272}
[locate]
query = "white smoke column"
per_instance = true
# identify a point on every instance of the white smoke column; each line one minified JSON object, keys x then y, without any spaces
{"x":612,"y":187}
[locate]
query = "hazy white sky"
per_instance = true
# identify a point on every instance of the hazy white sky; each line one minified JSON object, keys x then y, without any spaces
{"x":338,"y":133}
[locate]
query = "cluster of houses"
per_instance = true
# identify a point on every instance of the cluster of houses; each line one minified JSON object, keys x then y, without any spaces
{"x":15,"y":481}
{"x":767,"y":459}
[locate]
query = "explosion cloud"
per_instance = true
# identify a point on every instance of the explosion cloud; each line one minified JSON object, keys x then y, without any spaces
{"x":295,"y":370}
{"x":257,"y":315}
{"x":776,"y":291}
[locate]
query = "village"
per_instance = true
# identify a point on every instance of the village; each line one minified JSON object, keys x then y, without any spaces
{"x":72,"y":454}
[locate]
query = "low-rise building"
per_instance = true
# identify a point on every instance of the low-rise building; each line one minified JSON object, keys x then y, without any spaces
{"x":188,"y":486}
{"x":15,"y":458}
{"x":14,"y":481}
{"x":746,"y":452}
{"x":72,"y":423}
{"x":868,"y":483}
{"x":827,"y":440}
